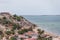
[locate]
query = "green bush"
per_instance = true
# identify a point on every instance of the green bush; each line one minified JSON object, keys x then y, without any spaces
{"x":13,"y":38}
{"x":4,"y":17}
{"x":12,"y":32}
{"x":1,"y":32}
{"x":8,"y":32}
{"x":23,"y":31}
{"x":5,"y":22}
{"x":20,"y":32}
{"x":16,"y":26}
{"x":40,"y":31}
{"x":17,"y":17}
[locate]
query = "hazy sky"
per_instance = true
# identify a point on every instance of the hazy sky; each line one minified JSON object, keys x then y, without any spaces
{"x":31,"y":7}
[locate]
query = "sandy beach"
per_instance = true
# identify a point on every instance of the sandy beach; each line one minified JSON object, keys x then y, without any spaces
{"x":54,"y":36}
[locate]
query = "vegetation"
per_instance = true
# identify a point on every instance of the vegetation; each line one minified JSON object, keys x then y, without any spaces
{"x":39,"y":38}
{"x":16,"y":26}
{"x":22,"y":31}
{"x":5,"y":21}
{"x":1,"y":34}
{"x":21,"y":38}
{"x":17,"y":17}
{"x":8,"y":32}
{"x":13,"y":23}
{"x":13,"y":38}
{"x":12,"y":32}
{"x":4,"y":18}
{"x":21,"y":17}
{"x":44,"y":38}
{"x":40,"y":31}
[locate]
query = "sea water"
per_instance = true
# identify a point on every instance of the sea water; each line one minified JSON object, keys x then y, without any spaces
{"x":50,"y":23}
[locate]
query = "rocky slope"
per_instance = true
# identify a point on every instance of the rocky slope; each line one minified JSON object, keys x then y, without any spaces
{"x":8,"y":20}
{"x":13,"y":27}
{"x":12,"y":24}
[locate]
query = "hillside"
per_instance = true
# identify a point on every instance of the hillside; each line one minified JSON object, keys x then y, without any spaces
{"x":8,"y":20}
{"x":13,"y":27}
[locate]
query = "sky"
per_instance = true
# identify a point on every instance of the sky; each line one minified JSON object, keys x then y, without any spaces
{"x":31,"y":7}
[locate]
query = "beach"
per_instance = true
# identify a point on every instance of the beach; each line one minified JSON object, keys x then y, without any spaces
{"x":54,"y":36}
{"x":50,"y":23}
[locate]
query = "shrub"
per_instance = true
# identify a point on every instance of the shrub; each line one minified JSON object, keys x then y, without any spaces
{"x":40,"y":31}
{"x":5,"y":22}
{"x":21,"y":17}
{"x":8,"y":32}
{"x":17,"y":17}
{"x":20,"y":32}
{"x":16,"y":26}
{"x":12,"y":32}
{"x":13,"y":38}
{"x":21,"y":38}
{"x":23,"y":31}
{"x":4,"y":17}
{"x":1,"y":32}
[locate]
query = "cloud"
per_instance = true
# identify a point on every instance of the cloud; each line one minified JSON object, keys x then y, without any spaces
{"x":31,"y":7}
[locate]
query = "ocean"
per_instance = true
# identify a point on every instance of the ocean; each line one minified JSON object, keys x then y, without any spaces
{"x":49,"y":23}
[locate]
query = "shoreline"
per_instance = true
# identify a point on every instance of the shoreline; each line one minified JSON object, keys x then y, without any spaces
{"x":54,"y":36}
{"x":48,"y":32}
{"x":48,"y":28}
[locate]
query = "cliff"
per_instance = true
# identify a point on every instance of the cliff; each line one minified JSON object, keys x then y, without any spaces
{"x":13,"y":27}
